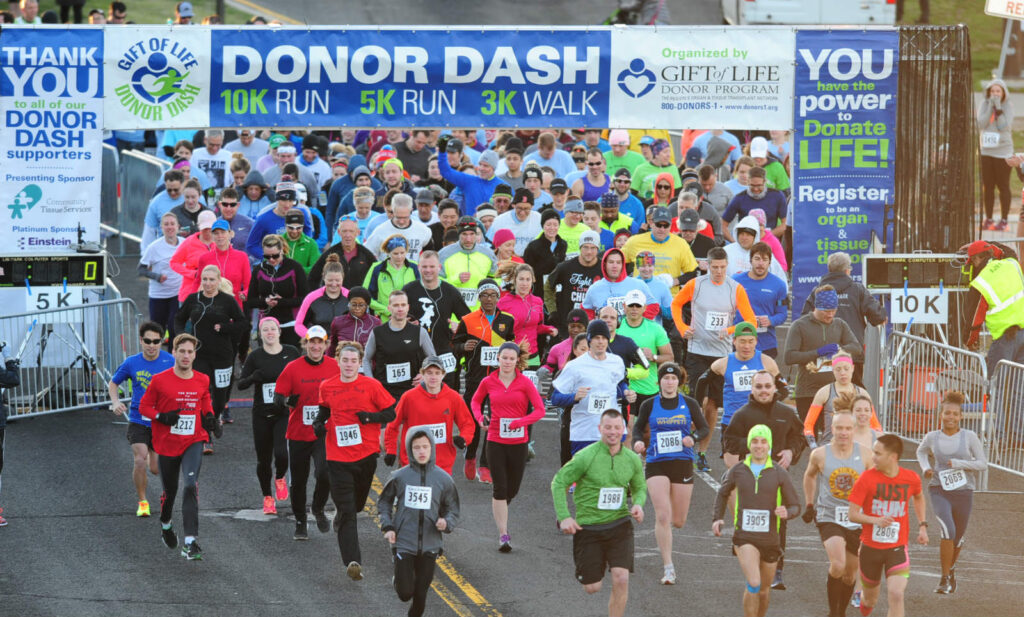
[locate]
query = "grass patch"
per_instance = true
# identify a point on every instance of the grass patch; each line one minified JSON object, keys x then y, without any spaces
{"x":156,"y":11}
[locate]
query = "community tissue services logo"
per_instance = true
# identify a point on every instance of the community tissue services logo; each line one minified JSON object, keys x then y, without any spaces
{"x":158,"y":72}
{"x":25,"y":199}
{"x":636,"y":80}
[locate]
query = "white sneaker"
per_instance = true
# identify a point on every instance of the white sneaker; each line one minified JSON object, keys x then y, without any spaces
{"x":670,"y":576}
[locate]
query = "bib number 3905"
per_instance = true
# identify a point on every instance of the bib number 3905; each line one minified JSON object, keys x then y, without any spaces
{"x":886,"y":535}
{"x":611,"y":498}
{"x":418,"y":497}
{"x":755,"y":521}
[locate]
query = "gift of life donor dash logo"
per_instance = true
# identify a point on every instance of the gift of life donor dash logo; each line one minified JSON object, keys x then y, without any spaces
{"x":158,"y":71}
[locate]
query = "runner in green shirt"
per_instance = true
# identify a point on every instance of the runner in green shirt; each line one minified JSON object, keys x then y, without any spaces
{"x":652,"y":341}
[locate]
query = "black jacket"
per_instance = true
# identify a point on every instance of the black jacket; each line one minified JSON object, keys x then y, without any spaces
{"x":856,"y":304}
{"x":787,"y":430}
{"x":539,"y":255}
{"x":355,"y":270}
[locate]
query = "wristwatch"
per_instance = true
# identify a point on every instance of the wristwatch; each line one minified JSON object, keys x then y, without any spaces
{"x":922,"y":524}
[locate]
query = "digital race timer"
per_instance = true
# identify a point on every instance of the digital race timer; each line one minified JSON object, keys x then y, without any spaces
{"x":78,"y":270}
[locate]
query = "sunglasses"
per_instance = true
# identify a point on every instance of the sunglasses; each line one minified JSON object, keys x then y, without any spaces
{"x":622,"y":181}
{"x":664,"y":187}
{"x":152,"y":341}
{"x":229,"y":204}
{"x":173,"y":191}
{"x":662,"y":225}
{"x":595,"y":163}
{"x":269,"y":256}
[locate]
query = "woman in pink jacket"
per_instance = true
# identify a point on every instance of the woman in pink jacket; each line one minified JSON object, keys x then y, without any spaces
{"x":515,"y":404}
{"x":527,"y":310}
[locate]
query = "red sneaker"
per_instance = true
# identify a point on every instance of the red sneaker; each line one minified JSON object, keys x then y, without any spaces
{"x":484,"y":475}
{"x":470,"y":469}
{"x":3,"y":521}
{"x":282,"y":489}
{"x":269,"y":505}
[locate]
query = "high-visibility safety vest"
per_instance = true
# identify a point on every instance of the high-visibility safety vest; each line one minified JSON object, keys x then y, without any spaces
{"x":1001,"y":283}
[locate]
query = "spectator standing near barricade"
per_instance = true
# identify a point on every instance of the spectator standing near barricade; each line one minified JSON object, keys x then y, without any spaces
{"x":995,"y":123}
{"x":857,"y":307}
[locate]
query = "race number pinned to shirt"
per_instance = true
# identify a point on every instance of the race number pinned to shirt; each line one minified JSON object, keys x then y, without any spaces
{"x":397,"y":373}
{"x":505,"y":432}
{"x":990,"y":139}
{"x":532,"y":376}
{"x":611,"y":498}
{"x":448,"y":362}
{"x":743,"y":381}
{"x":469,"y":296}
{"x":186,"y":425}
{"x":618,"y":303}
{"x":268,"y":393}
{"x":843,"y":517}
{"x":670,"y":442}
{"x":952,"y":479}
{"x":886,"y":535}
{"x":489,"y":356}
{"x":418,"y":497}
{"x":439,"y":431}
{"x":599,"y":403}
{"x":222,"y":378}
{"x":309,"y":413}
{"x":716,"y":320}
{"x":755,"y":521}
{"x":348,"y":435}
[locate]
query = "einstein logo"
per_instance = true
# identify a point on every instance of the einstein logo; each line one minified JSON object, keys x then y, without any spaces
{"x":157,"y":71}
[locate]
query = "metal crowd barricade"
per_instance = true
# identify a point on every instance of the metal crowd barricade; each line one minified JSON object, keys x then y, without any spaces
{"x":916,"y":374}
{"x":139,"y":175}
{"x":1006,"y":433}
{"x":68,"y":355}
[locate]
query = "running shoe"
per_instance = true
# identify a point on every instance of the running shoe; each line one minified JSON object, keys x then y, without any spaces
{"x":192,"y":552}
{"x":702,"y":462}
{"x":3,"y":521}
{"x":281,"y":485}
{"x":530,"y":452}
{"x":354,"y":571}
{"x":322,"y":523}
{"x":269,"y":505}
{"x":855,"y":600}
{"x":169,"y":538}
{"x":207,"y":449}
{"x":484,"y":475}
{"x":943,"y":585}
{"x":572,"y":488}
{"x":777,"y":582}
{"x":143,"y":509}
{"x":952,"y":580}
{"x":988,"y":225}
{"x":505,"y":544}
{"x":226,"y":418}
{"x":470,"y":469}
{"x":1002,"y":225}
{"x":670,"y":576}
{"x":300,"y":531}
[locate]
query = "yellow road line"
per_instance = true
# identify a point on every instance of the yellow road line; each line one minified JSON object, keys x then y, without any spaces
{"x":449,"y":570}
{"x":449,"y":598}
{"x":265,"y":12}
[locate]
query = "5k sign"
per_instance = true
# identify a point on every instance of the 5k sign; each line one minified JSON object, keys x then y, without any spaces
{"x":844,"y":146}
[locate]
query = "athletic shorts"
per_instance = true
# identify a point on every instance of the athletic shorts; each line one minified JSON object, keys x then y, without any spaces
{"x":830,"y":530}
{"x":874,"y":561}
{"x":140,"y":433}
{"x":594,"y":552}
{"x":678,"y":471}
{"x":770,"y":553}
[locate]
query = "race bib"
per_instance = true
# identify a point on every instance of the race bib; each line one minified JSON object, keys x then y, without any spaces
{"x":843,"y":517}
{"x":670,"y":442}
{"x":397,"y":373}
{"x":469,"y":296}
{"x":509,"y":433}
{"x":716,"y":320}
{"x":755,"y":521}
{"x":186,"y":425}
{"x":439,"y":431}
{"x":489,"y":356}
{"x":618,"y":303}
{"x":952,"y":479}
{"x":309,"y":413}
{"x":448,"y":361}
{"x":743,"y":381}
{"x":268,"y":393}
{"x":222,"y":378}
{"x":611,"y":498}
{"x":762,"y":329}
{"x":886,"y":535}
{"x":348,"y":435}
{"x":990,"y":139}
{"x":599,"y":404}
{"x":418,"y":497}
{"x":532,"y":376}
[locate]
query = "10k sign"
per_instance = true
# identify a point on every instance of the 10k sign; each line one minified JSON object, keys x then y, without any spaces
{"x":928,"y":306}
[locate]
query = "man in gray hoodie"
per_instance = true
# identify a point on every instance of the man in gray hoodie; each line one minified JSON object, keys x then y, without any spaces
{"x":418,"y":504}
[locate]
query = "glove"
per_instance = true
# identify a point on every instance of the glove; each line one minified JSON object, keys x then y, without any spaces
{"x":319,"y":429}
{"x":459,"y":441}
{"x":170,"y":418}
{"x":515,"y":425}
{"x":811,"y":441}
{"x":389,"y":459}
{"x":828,"y":350}
{"x":293,"y":400}
{"x":213,"y":425}
{"x":257,"y":376}
{"x":809,"y":514}
{"x":366,"y":417}
{"x":12,"y":364}
{"x":442,"y":143}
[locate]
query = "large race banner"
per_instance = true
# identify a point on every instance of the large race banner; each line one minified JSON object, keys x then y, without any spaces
{"x":844,"y":148}
{"x":51,"y":89}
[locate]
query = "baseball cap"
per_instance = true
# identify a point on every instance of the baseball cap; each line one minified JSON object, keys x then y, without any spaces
{"x":454,"y":145}
{"x":206,"y":219}
{"x":661,"y":216}
{"x":430,"y":361}
{"x":689,"y":220}
{"x":976,"y":247}
{"x":424,"y":196}
{"x":590,"y":237}
{"x":276,"y":140}
{"x":558,"y":185}
{"x":575,"y":204}
{"x":623,"y":173}
{"x":759,"y":147}
{"x":316,"y":332}
{"x":618,"y":137}
{"x":221,"y":224}
{"x":635,"y":297}
{"x":185,"y":9}
{"x":693,"y":157}
{"x":646,"y":140}
{"x":744,"y":328}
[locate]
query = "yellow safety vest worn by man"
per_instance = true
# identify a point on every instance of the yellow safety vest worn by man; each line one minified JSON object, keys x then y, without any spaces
{"x":1000,"y":285}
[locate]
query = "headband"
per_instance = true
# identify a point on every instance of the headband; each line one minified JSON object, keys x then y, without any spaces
{"x":283,"y":149}
{"x":394,"y":243}
{"x":183,"y":163}
{"x":489,"y":287}
{"x":838,"y":359}
{"x":509,"y":345}
{"x":827,"y":300}
{"x":272,"y":320}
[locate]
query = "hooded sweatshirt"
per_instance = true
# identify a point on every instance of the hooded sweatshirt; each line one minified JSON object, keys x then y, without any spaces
{"x":412,"y":501}
{"x":995,"y":123}
{"x":739,"y":257}
{"x":856,"y":304}
{"x":247,"y":206}
{"x":440,"y":413}
{"x":341,"y":187}
{"x":529,"y":315}
{"x":612,"y":292}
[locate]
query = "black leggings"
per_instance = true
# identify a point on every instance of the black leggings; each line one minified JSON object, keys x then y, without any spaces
{"x":507,"y":465}
{"x":162,"y":311}
{"x":564,"y":446}
{"x":413,"y":575}
{"x":299,"y":455}
{"x":268,"y":437}
{"x":66,"y":9}
{"x":995,"y":174}
{"x":480,"y":435}
{"x":350,"y":486}
{"x":209,"y":367}
{"x":188,"y":464}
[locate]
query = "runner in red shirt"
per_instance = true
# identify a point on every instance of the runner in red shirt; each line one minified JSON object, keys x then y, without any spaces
{"x":433,"y":405}
{"x":352,"y":409}
{"x":880,"y":502}
{"x":298,"y":389}
{"x":179,"y":400}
